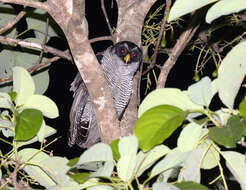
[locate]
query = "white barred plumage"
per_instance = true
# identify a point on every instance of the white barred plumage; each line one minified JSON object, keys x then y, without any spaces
{"x":119,"y":64}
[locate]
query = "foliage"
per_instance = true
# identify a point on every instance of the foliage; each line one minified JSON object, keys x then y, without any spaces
{"x":143,"y":160}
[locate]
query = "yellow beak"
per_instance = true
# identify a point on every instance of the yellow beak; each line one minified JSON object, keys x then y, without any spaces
{"x":127,"y":58}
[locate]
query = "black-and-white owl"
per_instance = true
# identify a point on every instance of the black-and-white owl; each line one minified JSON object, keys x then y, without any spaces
{"x":119,"y":64}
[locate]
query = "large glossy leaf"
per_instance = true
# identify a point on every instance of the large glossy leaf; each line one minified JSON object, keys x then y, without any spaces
{"x":149,"y":158}
{"x":235,"y":161}
{"x":28,"y":123}
{"x":211,"y":155}
{"x":44,"y":132}
{"x":157,"y":124}
{"x":93,"y":184}
{"x":105,"y":171}
{"x":182,"y":7}
{"x":189,"y":137}
{"x":231,"y":74}
{"x":97,"y":153}
{"x":224,"y":7}
{"x":10,"y":57}
{"x":163,"y":185}
{"x":22,"y":84}
{"x":190,"y":186}
{"x":167,"y":96}
{"x":229,"y":134}
{"x":201,"y":92}
{"x":34,"y":157}
{"x":44,"y":104}
{"x":56,"y":167}
{"x":191,"y":166}
{"x":128,"y":147}
{"x":36,"y":20}
{"x":172,"y":159}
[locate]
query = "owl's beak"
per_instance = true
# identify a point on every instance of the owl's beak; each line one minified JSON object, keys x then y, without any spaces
{"x":127,"y":58}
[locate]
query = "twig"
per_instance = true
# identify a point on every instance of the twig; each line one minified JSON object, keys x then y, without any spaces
{"x":164,"y":21}
{"x":180,"y":45}
{"x":28,"y":44}
{"x":44,"y":42}
{"x":29,"y":3}
{"x":34,"y":68}
{"x":107,"y":20}
{"x":12,"y":22}
{"x":101,"y":38}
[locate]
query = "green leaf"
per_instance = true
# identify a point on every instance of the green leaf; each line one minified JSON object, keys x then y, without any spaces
{"x":224,"y":7}
{"x":44,"y":132}
{"x":44,"y":104}
{"x":71,"y":185}
{"x":211,"y":155}
{"x":128,"y":147}
{"x":201,"y":92}
{"x":157,"y":124}
{"x":94,"y":184}
{"x":188,"y":185}
{"x":242,"y":108}
{"x":36,"y":20}
{"x":104,"y":171}
{"x":34,"y":157}
{"x":115,"y":149}
{"x":28,"y":123}
{"x":13,"y":95}
{"x":182,"y":7}
{"x":22,"y":84}
{"x":73,"y":162}
{"x":235,"y":161}
{"x":80,"y":177}
{"x":191,"y":166}
{"x":189,"y":137}
{"x":228,"y":135}
{"x":167,"y":96}
{"x":56,"y":167}
{"x":11,"y":57}
{"x":163,"y":185}
{"x":97,"y":153}
{"x":172,"y":159}
{"x":231,"y":73}
{"x":151,"y":157}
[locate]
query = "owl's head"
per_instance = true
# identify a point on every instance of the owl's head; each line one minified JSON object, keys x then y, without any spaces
{"x":128,"y":52}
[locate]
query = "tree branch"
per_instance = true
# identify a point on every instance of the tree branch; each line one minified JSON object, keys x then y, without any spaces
{"x":34,"y":4}
{"x":101,"y":38}
{"x":156,"y":51}
{"x":28,"y":44}
{"x":131,"y":17}
{"x":107,"y":20}
{"x":180,"y":45}
{"x":12,"y":22}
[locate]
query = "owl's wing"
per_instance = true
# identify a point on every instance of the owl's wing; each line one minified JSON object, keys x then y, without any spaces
{"x":78,"y":129}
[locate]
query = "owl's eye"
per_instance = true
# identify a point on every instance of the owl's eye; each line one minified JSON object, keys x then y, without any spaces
{"x":122,"y":51}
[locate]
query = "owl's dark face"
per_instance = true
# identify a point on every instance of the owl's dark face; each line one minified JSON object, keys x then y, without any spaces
{"x":129,"y":52}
